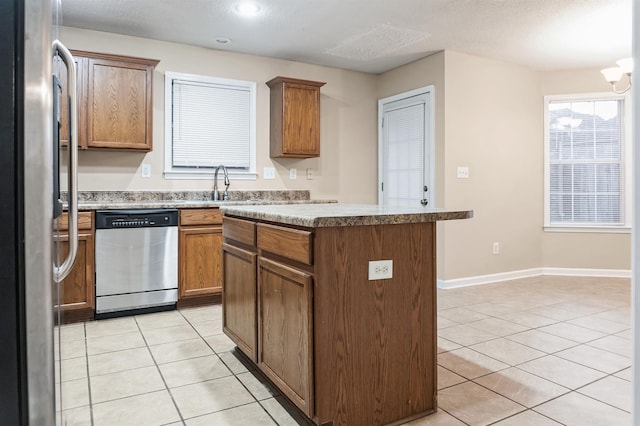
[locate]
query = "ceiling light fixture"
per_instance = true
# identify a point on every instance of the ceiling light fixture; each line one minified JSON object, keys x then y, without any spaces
{"x":223,"y":40}
{"x":614,"y":74}
{"x":248,"y":9}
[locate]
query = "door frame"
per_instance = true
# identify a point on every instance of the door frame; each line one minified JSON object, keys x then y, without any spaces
{"x":429,"y":138}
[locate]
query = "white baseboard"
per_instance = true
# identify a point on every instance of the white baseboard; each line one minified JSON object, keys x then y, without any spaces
{"x":584,"y":272}
{"x":524,"y":273}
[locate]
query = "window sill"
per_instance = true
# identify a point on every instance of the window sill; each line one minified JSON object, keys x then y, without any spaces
{"x":209,"y":175}
{"x":589,"y":229}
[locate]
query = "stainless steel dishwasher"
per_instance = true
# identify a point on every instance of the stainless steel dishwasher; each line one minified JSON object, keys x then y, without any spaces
{"x":136,"y":256}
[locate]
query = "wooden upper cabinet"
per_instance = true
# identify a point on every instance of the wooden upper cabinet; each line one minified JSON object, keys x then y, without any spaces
{"x":60,"y":69}
{"x":295,"y":117}
{"x":115,"y":101}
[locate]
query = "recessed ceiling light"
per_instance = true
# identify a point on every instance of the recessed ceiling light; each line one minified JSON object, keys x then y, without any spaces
{"x":247,"y":9}
{"x":223,"y":40}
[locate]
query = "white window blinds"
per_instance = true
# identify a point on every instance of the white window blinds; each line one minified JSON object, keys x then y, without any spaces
{"x":211,"y":125}
{"x":585,"y":156}
{"x":209,"y":121}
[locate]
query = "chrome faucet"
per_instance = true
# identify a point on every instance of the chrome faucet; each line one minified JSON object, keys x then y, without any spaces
{"x":225,"y":194}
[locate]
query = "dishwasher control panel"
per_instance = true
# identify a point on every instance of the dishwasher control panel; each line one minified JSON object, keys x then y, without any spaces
{"x":143,"y":218}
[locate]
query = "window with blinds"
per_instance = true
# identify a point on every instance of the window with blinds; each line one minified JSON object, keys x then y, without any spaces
{"x":585,"y":163}
{"x":209,"y":122}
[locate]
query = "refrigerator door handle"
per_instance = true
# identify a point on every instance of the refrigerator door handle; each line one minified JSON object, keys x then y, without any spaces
{"x":60,"y":272}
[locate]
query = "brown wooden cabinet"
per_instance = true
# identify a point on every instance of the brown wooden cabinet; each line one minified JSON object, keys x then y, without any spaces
{"x":115,"y":101}
{"x":345,"y":349}
{"x":295,"y":117}
{"x":285,"y":330}
{"x":78,"y":288}
{"x":60,"y":69}
{"x":239,"y":317}
{"x":267,"y":303}
{"x":199,"y":256}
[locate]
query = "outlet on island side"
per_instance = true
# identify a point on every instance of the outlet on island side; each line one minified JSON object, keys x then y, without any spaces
{"x":380,"y":270}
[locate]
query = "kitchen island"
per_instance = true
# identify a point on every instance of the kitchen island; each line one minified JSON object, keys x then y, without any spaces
{"x":336,"y":305}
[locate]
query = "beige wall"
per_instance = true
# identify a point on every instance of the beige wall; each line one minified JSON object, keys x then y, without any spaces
{"x":582,"y":250}
{"x":346,"y":170}
{"x":493,"y":125}
{"x":488,"y":117}
{"x":425,"y":72}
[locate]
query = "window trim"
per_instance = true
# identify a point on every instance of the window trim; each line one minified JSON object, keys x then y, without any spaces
{"x":171,"y":172}
{"x":624,"y":227}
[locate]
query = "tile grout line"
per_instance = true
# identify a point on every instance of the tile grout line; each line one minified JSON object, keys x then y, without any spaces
{"x":570,"y":390}
{"x":86,"y":353}
{"x":175,"y":404}
{"x":235,"y":375}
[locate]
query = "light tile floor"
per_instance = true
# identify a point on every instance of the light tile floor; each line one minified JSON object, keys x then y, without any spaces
{"x":536,"y":351}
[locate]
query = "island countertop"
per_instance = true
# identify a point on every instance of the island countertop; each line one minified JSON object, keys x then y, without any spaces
{"x":334,"y":215}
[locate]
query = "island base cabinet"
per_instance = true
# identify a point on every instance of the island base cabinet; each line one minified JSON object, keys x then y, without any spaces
{"x":239,"y":299}
{"x":375,"y":353}
{"x":345,"y":349}
{"x":285,"y":335}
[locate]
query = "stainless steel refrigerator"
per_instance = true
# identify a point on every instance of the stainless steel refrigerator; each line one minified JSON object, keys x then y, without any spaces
{"x":29,"y":244}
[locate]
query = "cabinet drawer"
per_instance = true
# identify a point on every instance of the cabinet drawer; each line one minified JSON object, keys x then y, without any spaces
{"x":84,"y":221}
{"x":200,"y":217}
{"x":240,"y":230}
{"x":290,"y":243}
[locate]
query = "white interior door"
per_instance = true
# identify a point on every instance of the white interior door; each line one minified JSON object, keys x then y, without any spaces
{"x":405,"y":151}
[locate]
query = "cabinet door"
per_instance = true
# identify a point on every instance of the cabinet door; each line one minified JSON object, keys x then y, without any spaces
{"x":119,"y":104}
{"x":60,"y":69}
{"x":78,"y":299}
{"x":301,"y":120}
{"x":285,"y":337}
{"x":200,"y":260}
{"x":239,"y":298}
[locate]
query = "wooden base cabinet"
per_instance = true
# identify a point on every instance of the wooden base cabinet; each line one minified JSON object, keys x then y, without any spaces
{"x":285,"y":330}
{"x":239,"y":298}
{"x":199,"y":257}
{"x":78,"y":288}
{"x":344,"y":349}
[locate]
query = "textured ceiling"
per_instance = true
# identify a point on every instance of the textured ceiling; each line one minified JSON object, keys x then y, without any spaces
{"x":378,"y":35}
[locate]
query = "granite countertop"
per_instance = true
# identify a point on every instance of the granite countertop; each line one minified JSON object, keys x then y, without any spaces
{"x":98,"y":200}
{"x":330,"y":215}
{"x":183,"y":204}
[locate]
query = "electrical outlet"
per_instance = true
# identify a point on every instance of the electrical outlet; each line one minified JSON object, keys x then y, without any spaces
{"x":496,"y":248}
{"x":293,"y":174}
{"x":380,"y":269}
{"x":463,"y":172}
{"x":309,"y":174}
{"x":269,"y":173}
{"x":145,"y":170}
